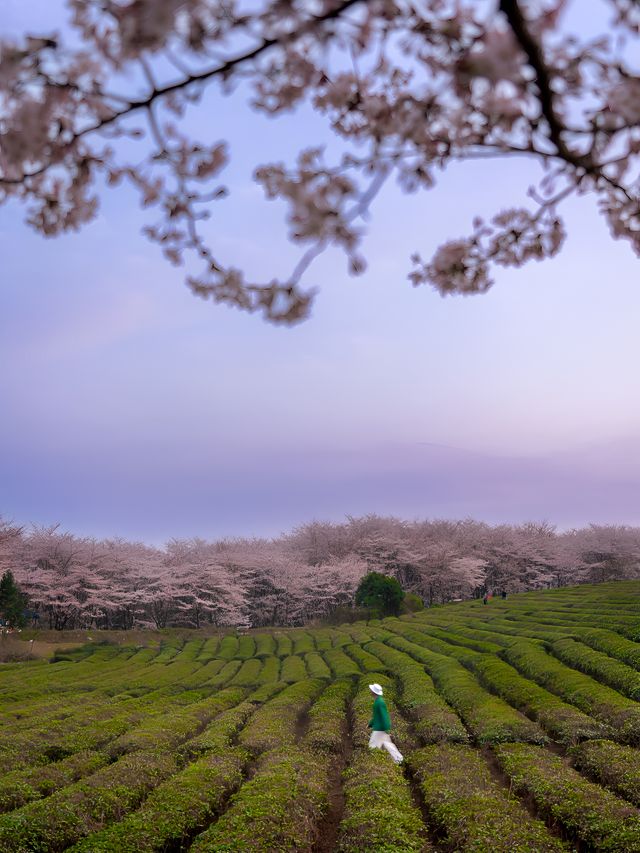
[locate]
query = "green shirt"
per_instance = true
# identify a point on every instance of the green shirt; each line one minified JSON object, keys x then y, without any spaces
{"x":380,"y":722}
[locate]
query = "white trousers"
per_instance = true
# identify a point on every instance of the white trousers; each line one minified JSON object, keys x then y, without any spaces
{"x":382,"y":740}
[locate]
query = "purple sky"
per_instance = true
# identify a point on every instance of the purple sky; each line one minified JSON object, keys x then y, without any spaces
{"x":130,"y":407}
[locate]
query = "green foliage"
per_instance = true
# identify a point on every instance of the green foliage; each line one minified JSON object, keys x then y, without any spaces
{"x":302,"y":643}
{"x":612,"y":644}
{"x":612,"y":765}
{"x":434,"y":720}
{"x":177,"y":808}
{"x":562,"y":721}
{"x":12,"y":601}
{"x":578,"y":689}
{"x":617,"y":675}
{"x":489,"y":718}
{"x":248,"y":674}
{"x":265,"y":645}
{"x":323,"y":639}
{"x":274,"y":723}
{"x":165,"y":731}
{"x":381,"y":594}
{"x":327,"y":718}
{"x":365,"y":659}
{"x":316,"y":666}
{"x":278,"y":809}
{"x":586,"y":812}
{"x":293,"y":669}
{"x":340,"y":663}
{"x":412,"y":603}
{"x":270,"y":672}
{"x":379,"y":811}
{"x":284,"y":645}
{"x":470,"y":810}
{"x":22,"y":786}
{"x":65,"y":817}
{"x":246,"y":647}
{"x":228,"y":648}
{"x":208,"y":650}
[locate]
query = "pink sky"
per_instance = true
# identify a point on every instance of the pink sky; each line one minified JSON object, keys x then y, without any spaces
{"x":130,"y":407}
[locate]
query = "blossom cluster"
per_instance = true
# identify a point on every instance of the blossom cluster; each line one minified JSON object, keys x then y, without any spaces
{"x":409,"y":89}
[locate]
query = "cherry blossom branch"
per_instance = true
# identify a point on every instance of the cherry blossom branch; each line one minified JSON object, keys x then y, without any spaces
{"x":222,"y":70}
{"x":513,"y":13}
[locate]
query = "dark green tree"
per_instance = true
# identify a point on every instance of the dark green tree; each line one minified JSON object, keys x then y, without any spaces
{"x":12,"y":601}
{"x":380,"y":594}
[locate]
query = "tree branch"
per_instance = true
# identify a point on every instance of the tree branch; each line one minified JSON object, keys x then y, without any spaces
{"x":518,"y":25}
{"x":220,"y":70}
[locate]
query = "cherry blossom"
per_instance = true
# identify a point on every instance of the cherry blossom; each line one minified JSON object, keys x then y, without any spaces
{"x":409,"y":89}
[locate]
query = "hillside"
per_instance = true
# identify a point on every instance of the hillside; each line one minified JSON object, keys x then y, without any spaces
{"x":519,"y":721}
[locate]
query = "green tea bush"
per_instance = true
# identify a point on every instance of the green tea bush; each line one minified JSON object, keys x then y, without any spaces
{"x":228,"y":648}
{"x":489,"y":718}
{"x":612,"y":672}
{"x":191,"y":650}
{"x":562,"y":721}
{"x":470,"y":810}
{"x":303,"y":643}
{"x":246,"y":647}
{"x":585,"y":811}
{"x":379,"y":812}
{"x":340,"y":638}
{"x":359,"y":634}
{"x":248,"y":674}
{"x":224,"y":675}
{"x":323,"y":639}
{"x":265,"y":645}
{"x":274,"y":724}
{"x":175,"y":810}
{"x":612,"y":644}
{"x":277,"y":810}
{"x":168,"y":651}
{"x":284,"y":645}
{"x":434,"y":720}
{"x":612,"y":765}
{"x":454,"y":638}
{"x":204,"y":674}
{"x":316,"y":666}
{"x":218,"y":734}
{"x":367,"y":662}
{"x":165,"y":731}
{"x":293,"y":669}
{"x":65,"y":817}
{"x":340,"y":663}
{"x":22,"y":786}
{"x":209,"y":649}
{"x":580,"y":690}
{"x":270,"y":672}
{"x":327,"y":719}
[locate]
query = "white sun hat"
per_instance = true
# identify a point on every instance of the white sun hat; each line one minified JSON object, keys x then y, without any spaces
{"x":376,"y":689}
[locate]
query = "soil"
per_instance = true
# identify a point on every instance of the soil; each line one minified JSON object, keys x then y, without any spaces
{"x":329,"y":827}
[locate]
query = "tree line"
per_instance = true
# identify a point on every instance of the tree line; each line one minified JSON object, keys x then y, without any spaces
{"x":311,"y":573}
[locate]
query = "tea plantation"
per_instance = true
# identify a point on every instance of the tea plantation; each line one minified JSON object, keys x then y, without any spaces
{"x":519,"y":721}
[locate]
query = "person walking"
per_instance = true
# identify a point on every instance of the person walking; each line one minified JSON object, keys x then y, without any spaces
{"x":380,"y":725}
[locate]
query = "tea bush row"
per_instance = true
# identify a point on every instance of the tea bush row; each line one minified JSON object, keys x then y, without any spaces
{"x":379,"y":811}
{"x":578,"y":689}
{"x":469,"y":809}
{"x":584,"y":810}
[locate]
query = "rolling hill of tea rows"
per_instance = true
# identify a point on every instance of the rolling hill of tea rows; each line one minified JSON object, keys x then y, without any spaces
{"x":519,"y":721}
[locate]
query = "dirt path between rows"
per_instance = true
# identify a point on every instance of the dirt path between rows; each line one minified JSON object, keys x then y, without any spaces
{"x":329,"y":826}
